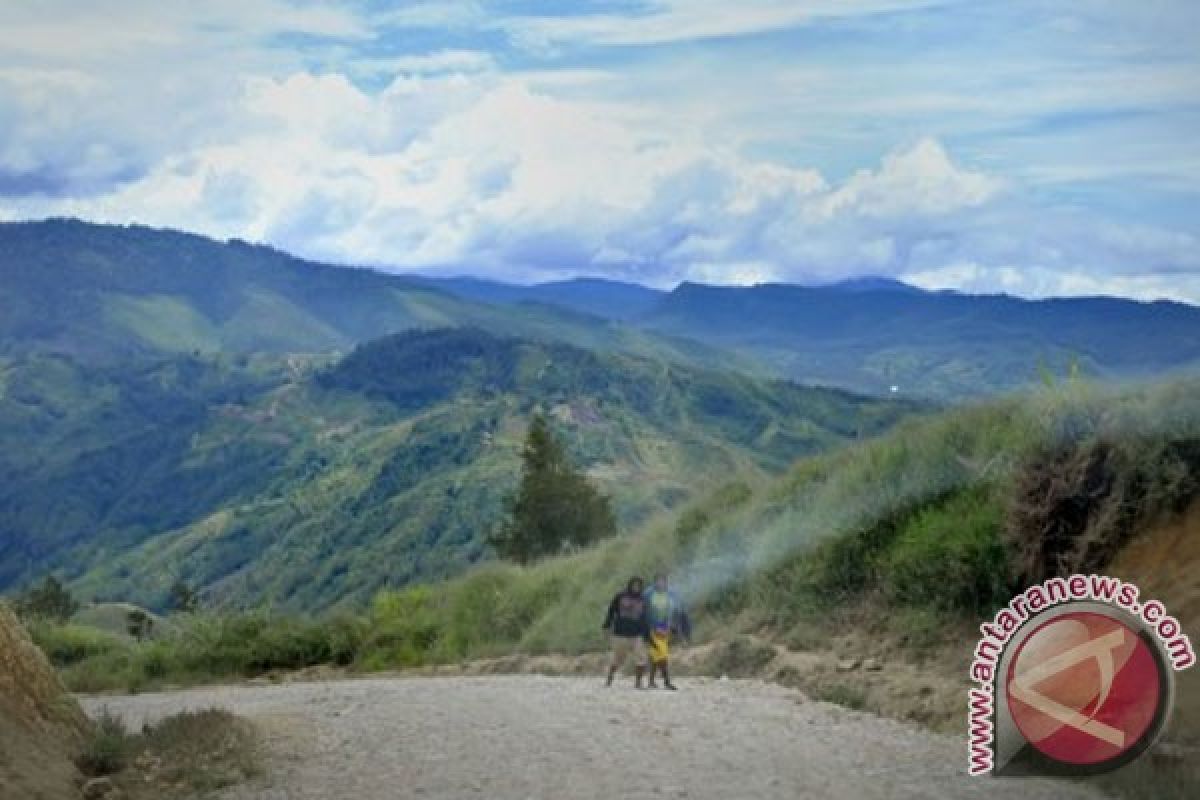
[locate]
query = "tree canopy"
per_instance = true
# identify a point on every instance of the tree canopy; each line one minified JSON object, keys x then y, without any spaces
{"x":555,"y":507}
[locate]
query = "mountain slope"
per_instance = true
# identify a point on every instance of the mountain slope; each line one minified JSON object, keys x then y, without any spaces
{"x":104,"y":293}
{"x":608,"y":299}
{"x":870,"y":337}
{"x":303,"y":484}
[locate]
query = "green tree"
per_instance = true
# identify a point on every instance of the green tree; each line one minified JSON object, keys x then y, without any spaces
{"x":51,"y":600}
{"x":555,"y":507}
{"x":139,"y":624}
{"x":183,"y":598}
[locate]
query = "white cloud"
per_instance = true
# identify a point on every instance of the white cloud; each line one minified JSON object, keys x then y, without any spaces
{"x":440,"y":61}
{"x":212,"y":118}
{"x":484,"y":170}
{"x":676,"y":21}
{"x":921,"y":180}
{"x":1026,"y":281}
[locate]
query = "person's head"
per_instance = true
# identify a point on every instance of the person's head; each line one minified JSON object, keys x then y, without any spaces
{"x":660,"y":581}
{"x":635,"y":585}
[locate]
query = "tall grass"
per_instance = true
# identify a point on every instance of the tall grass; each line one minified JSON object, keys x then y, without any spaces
{"x":920,"y":519}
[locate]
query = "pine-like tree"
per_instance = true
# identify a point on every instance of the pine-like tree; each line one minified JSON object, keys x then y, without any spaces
{"x":555,"y":507}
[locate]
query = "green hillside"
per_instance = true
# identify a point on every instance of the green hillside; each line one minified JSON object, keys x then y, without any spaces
{"x":308,"y":482}
{"x":889,"y":550}
{"x":104,"y":293}
{"x":944,"y":515}
{"x":870,"y":336}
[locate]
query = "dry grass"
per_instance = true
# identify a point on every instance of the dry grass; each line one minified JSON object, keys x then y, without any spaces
{"x":185,"y":754}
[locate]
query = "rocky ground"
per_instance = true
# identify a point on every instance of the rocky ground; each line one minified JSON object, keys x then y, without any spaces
{"x":528,"y":736}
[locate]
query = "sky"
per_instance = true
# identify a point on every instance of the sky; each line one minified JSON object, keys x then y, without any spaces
{"x":1033,"y":147}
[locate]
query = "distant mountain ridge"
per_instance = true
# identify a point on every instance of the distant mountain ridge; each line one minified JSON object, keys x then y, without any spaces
{"x":934,"y":344}
{"x":873,"y":334}
{"x":101,"y":291}
{"x":600,"y":297}
{"x":106,"y":293}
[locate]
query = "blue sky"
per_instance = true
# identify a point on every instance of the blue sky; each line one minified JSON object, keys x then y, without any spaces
{"x":1036,"y":148}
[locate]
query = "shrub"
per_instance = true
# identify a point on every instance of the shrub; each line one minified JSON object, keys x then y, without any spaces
{"x":402,"y":629}
{"x":1076,"y":502}
{"x":66,"y":644}
{"x":950,"y":556}
{"x":202,"y":750}
{"x":847,"y":564}
{"x":106,"y":750}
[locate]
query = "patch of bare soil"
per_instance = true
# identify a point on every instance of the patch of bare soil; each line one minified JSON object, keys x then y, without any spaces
{"x":41,"y":726}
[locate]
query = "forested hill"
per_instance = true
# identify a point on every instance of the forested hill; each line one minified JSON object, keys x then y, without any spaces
{"x":871,"y":336}
{"x":305,"y":482}
{"x":104,"y":293}
{"x":107,"y":292}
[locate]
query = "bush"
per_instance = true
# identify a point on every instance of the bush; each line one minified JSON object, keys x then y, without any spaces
{"x":202,"y":750}
{"x":1076,"y":502}
{"x":66,"y":644}
{"x":402,"y":629}
{"x":106,"y":750}
{"x":845,"y":565}
{"x":950,"y":557}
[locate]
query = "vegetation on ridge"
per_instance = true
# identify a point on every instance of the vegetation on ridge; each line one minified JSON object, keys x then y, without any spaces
{"x":920,"y":521}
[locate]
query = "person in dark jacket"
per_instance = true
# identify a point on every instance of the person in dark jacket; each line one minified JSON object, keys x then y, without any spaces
{"x":627,"y":627}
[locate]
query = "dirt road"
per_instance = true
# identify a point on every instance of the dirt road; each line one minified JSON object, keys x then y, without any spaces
{"x":539,"y":737}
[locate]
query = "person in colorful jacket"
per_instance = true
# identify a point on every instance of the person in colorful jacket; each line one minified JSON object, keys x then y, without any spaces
{"x":665,"y":615}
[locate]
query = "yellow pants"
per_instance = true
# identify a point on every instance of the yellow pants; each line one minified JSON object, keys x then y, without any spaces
{"x":659,"y":647}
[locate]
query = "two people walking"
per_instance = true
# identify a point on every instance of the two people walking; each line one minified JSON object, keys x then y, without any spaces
{"x":640,"y":620}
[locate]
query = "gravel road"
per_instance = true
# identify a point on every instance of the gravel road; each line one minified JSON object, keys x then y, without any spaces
{"x":439,"y":738}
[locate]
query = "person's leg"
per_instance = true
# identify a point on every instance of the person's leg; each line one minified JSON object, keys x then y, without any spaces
{"x":655,"y":656}
{"x":666,"y":676}
{"x":661,"y":655}
{"x":620,"y":648}
{"x":639,"y":654}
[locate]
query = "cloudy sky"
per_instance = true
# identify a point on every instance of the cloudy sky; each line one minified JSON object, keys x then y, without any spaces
{"x":1035,"y":147}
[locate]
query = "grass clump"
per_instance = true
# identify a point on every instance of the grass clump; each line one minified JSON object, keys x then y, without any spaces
{"x":841,"y":694}
{"x":740,"y":657}
{"x":202,"y":751}
{"x":106,"y":751}
{"x":179,"y":756}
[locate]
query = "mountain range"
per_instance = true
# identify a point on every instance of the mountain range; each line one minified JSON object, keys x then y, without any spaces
{"x":280,"y":431}
{"x":105,"y":291}
{"x":878,"y":335}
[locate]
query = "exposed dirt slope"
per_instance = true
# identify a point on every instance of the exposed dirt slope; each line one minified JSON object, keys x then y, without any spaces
{"x":1165,"y":563}
{"x":41,"y":726}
